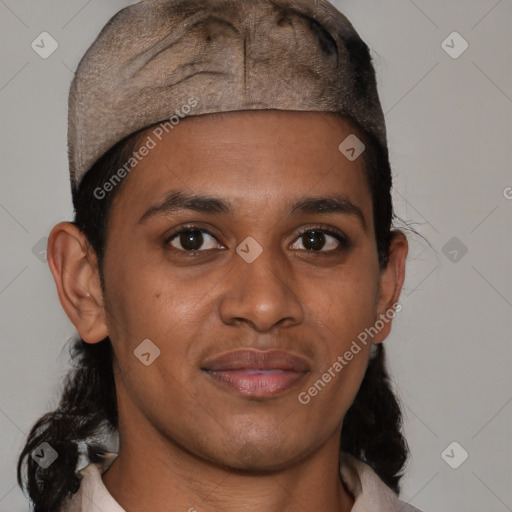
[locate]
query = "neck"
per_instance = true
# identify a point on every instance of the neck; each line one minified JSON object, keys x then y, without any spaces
{"x":160,"y":475}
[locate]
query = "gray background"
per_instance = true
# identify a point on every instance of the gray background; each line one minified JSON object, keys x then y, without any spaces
{"x":449,"y":124}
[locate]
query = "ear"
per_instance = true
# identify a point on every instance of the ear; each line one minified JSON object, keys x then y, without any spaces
{"x":73,"y":264}
{"x":391,"y":281}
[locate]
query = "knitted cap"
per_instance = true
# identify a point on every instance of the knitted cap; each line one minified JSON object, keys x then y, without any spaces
{"x":162,"y":60}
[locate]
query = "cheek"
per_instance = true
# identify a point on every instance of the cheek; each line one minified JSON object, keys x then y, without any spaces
{"x":134,"y":298}
{"x":345,"y":305}
{"x":147,"y":301}
{"x":341,"y":309}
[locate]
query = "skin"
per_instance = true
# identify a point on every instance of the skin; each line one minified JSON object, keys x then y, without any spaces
{"x":184,"y":442}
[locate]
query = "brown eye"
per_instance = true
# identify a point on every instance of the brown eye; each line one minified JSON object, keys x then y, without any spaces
{"x":321,"y":240}
{"x":191,"y":239}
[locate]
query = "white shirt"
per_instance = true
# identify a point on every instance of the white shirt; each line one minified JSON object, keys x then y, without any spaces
{"x":369,"y":491}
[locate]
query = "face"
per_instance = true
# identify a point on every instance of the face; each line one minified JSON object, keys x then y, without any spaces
{"x":248,"y":269}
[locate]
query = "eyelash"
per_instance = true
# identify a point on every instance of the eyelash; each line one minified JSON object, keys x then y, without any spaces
{"x":343,"y":240}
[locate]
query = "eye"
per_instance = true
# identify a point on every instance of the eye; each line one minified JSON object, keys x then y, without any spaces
{"x":191,"y":239}
{"x":318,"y":238}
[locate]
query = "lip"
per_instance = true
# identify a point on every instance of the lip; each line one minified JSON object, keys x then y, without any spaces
{"x":255,"y":373}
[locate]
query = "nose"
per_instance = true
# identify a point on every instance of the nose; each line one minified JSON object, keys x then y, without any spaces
{"x":261,"y":293}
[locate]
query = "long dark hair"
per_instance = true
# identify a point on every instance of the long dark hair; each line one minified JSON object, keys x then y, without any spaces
{"x":372,"y":427}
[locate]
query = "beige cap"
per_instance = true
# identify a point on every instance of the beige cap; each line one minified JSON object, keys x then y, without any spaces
{"x":159,"y":59}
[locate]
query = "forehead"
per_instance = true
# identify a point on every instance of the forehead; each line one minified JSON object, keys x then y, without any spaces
{"x":251,"y":158}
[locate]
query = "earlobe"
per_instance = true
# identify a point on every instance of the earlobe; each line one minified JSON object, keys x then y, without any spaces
{"x":73,"y":266}
{"x":391,"y":281}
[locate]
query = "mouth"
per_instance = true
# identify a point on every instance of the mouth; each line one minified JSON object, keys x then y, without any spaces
{"x":255,"y":373}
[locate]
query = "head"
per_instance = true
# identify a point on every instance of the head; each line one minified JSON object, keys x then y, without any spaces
{"x":126,"y":272}
{"x":309,"y":294}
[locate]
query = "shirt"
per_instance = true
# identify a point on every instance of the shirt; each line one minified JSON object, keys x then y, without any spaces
{"x":370,"y":493}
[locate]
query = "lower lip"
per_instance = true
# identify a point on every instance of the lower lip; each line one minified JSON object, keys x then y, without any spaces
{"x":257,"y":383}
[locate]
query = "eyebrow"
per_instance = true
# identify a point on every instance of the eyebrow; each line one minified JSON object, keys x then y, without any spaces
{"x":178,"y":200}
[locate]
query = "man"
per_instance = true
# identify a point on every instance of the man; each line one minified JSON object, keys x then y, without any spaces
{"x":242,"y":259}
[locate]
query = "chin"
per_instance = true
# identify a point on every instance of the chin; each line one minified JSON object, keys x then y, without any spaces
{"x":263,"y":455}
